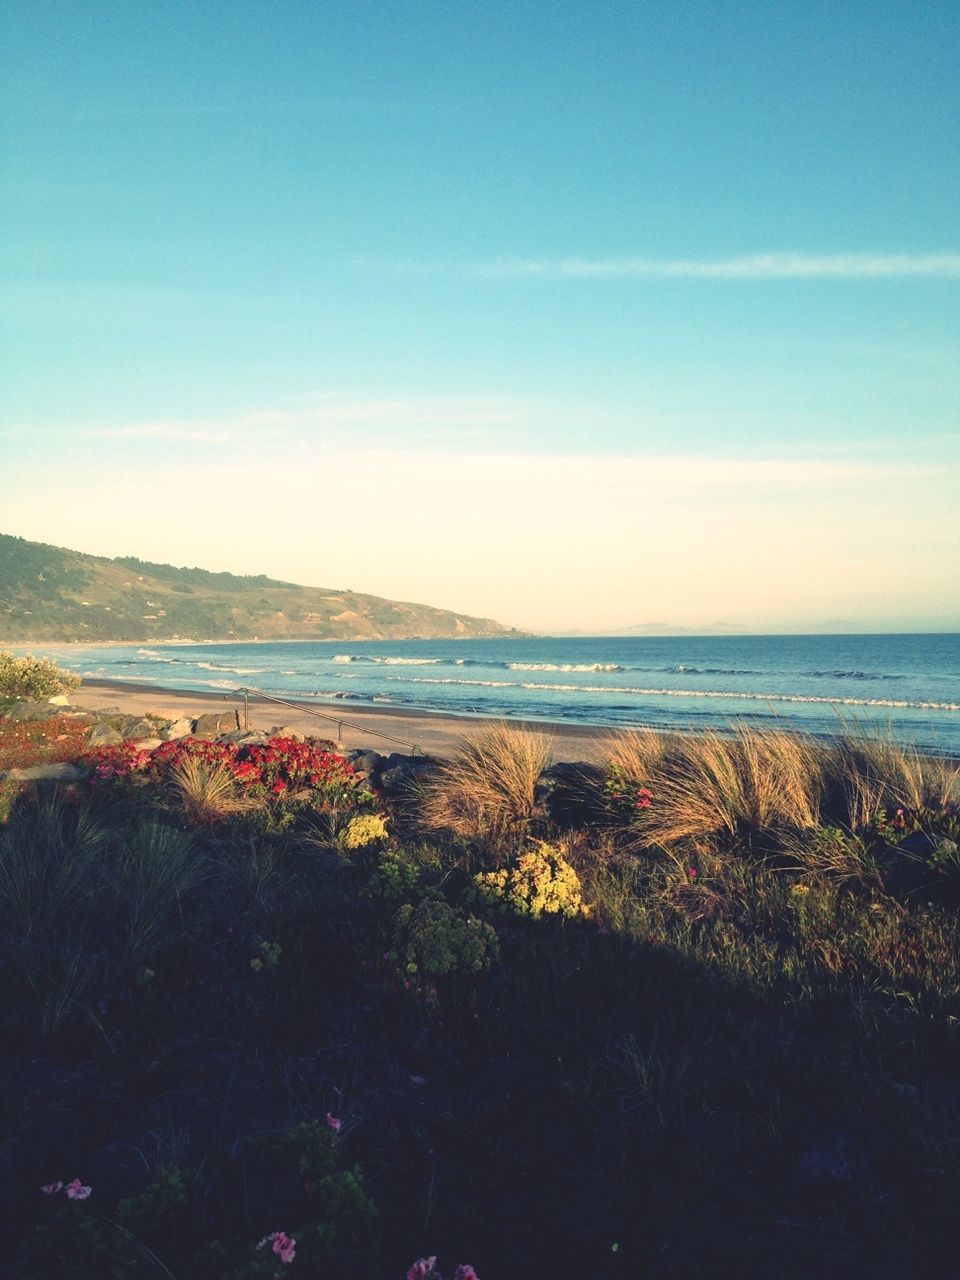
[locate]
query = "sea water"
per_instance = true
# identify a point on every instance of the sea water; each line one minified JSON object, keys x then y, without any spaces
{"x":909,"y":684}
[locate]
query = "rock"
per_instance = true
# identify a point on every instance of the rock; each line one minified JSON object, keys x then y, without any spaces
{"x":148,"y":744}
{"x":135,"y":730}
{"x":367,"y":763}
{"x":570,"y":795}
{"x":177,"y":729}
{"x":45,"y":773}
{"x":26,"y":710}
{"x":285,"y":731}
{"x":104,"y":735}
{"x":400,"y":774}
{"x":214,"y":723}
{"x":245,"y":737}
{"x":59,"y":700}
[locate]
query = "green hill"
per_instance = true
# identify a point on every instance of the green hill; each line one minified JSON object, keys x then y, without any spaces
{"x":52,"y":594}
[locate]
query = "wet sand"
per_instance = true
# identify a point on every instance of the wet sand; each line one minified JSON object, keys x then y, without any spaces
{"x":382,"y":729}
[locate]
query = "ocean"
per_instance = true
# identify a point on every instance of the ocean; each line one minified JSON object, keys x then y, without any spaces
{"x":909,"y":684}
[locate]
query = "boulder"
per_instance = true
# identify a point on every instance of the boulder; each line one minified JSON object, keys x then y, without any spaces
{"x":367,"y":763}
{"x":214,"y":723}
{"x":59,"y":700}
{"x":135,"y":729}
{"x":177,"y":729}
{"x":570,"y":795}
{"x":285,"y":731}
{"x":104,"y":735}
{"x":148,"y":744}
{"x":45,"y":773}
{"x":27,"y":710}
{"x":400,"y":775}
{"x":245,"y":737}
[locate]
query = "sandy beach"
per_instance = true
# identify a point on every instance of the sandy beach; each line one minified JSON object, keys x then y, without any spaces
{"x":380,"y":729}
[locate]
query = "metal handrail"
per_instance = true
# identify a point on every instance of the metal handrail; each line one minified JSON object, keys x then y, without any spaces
{"x":246,"y":691}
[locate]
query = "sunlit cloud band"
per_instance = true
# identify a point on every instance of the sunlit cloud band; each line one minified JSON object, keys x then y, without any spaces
{"x":761,"y":266}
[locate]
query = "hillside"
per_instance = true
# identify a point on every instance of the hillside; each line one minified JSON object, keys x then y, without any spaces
{"x":53,"y":594}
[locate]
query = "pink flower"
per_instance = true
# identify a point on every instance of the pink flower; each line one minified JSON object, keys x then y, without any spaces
{"x":333,"y":1123}
{"x":283,"y":1246}
{"x":77,"y":1191}
{"x":422,"y":1268}
{"x":465,"y":1272}
{"x":51,"y":1188}
{"x":692,"y":873}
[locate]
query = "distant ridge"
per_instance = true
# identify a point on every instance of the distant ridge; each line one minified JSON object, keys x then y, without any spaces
{"x":56,"y":595}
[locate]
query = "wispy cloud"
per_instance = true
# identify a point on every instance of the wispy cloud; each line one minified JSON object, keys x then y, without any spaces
{"x":337,"y":414}
{"x":759,"y":266}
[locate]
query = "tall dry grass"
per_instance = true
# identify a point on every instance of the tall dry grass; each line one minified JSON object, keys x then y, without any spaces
{"x":635,"y":753}
{"x":486,"y":792}
{"x":727,"y":786}
{"x":871,"y":771}
{"x":205,"y":791}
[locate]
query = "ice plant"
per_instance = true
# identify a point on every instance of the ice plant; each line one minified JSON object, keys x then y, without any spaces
{"x":333,"y":1122}
{"x":77,"y":1191}
{"x":284,"y":1246}
{"x":422,"y":1268}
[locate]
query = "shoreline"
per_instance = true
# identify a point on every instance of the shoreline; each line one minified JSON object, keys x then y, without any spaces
{"x":437,"y":733}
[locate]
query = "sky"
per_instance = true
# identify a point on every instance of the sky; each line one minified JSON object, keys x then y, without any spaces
{"x":581,"y":316}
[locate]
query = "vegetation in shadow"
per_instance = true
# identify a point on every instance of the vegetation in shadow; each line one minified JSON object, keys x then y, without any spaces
{"x":259,"y":1023}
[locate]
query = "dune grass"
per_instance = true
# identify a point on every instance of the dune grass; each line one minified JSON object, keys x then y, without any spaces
{"x":486,"y":792}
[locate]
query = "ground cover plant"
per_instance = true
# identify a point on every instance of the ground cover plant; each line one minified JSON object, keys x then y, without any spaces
{"x":260,"y":1020}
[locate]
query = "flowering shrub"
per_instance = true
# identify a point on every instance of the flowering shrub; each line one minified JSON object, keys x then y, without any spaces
{"x":115,"y":764}
{"x":541,"y":882}
{"x":32,"y":678}
{"x":277,"y":770}
{"x":363,"y":830}
{"x":28,"y":742}
{"x":434,"y":938}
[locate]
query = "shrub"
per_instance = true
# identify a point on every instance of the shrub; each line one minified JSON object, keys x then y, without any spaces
{"x":32,"y":678}
{"x":434,"y":938}
{"x":363,"y":830}
{"x":541,"y":882}
{"x":486,"y":792}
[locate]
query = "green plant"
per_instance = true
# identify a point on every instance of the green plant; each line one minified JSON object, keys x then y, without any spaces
{"x":32,"y":679}
{"x":433,"y":938}
{"x":845,"y":856}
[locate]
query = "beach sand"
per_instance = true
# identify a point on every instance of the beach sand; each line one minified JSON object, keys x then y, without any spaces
{"x":433,"y":733}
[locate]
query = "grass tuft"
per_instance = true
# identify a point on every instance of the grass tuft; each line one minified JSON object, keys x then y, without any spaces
{"x":487,"y":791}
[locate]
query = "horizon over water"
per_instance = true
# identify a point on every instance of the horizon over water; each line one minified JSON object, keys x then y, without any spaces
{"x":909,"y":684}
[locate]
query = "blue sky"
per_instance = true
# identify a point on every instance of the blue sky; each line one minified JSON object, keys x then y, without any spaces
{"x":577,"y":315}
